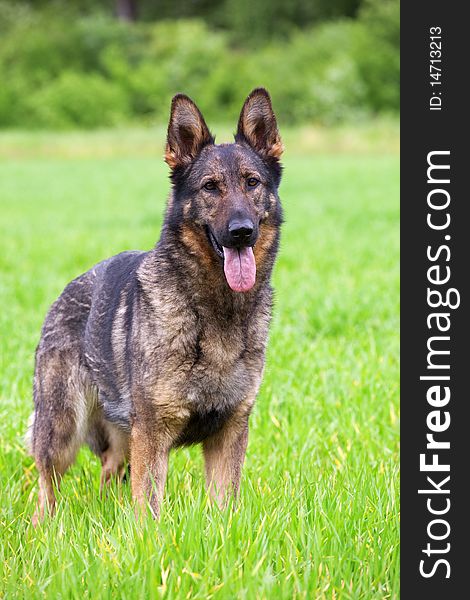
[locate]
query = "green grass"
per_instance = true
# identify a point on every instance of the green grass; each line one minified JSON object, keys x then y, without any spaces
{"x":318,"y":515}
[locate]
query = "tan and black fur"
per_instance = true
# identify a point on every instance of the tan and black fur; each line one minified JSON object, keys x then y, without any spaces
{"x":148,"y":351}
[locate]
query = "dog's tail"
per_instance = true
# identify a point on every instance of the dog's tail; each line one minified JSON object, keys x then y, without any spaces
{"x":28,"y":436}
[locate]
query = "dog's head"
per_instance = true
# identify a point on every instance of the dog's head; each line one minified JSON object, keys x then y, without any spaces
{"x":225,"y":196}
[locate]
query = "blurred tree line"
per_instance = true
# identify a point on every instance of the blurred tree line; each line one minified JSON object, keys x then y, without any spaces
{"x":91,"y":63}
{"x":246,"y":19}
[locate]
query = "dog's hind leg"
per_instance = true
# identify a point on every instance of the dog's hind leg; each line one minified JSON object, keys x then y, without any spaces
{"x":59,"y":421}
{"x":113,"y":460}
{"x":111,"y":444}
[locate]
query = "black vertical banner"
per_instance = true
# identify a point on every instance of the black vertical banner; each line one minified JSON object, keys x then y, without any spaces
{"x":435,"y":324}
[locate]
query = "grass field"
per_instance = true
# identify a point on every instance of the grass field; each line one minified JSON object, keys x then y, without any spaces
{"x":318,"y":515}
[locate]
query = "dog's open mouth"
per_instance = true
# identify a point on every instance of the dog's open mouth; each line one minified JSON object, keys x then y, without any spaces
{"x":239,"y":265}
{"x":215,"y":244}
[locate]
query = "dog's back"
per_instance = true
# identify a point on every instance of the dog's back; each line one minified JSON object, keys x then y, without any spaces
{"x":75,"y":368}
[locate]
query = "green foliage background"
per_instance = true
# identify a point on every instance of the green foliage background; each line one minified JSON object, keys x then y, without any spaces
{"x":75,"y":65}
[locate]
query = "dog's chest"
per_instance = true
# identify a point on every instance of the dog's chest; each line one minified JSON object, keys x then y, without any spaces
{"x":218,"y":363}
{"x":202,"y":367}
{"x":222,"y":368}
{"x":213,"y":383}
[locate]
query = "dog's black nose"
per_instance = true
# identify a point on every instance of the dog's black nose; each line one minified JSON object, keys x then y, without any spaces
{"x":240,"y":230}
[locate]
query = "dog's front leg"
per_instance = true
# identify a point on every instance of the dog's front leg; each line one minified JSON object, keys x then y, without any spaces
{"x":150,"y":450}
{"x":224,"y":454}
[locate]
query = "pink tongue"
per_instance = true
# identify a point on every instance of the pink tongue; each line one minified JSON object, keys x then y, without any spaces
{"x":240,"y":268}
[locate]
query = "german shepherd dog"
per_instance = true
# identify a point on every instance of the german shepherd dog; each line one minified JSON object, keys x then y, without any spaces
{"x":148,"y":351}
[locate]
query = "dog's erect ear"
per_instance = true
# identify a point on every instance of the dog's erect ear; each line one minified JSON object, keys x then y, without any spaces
{"x":187,"y":132}
{"x":257,"y":125}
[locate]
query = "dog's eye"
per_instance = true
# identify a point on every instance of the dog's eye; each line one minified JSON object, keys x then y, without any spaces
{"x":252,"y":182}
{"x":210,"y":186}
